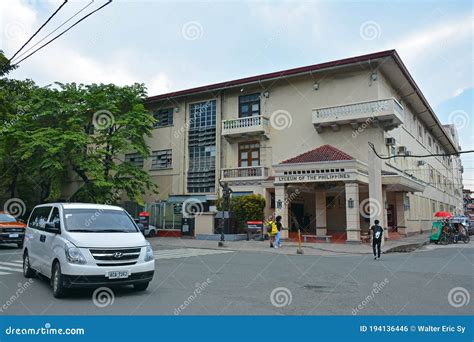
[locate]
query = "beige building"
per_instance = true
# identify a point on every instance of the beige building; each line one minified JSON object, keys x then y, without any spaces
{"x":300,"y":138}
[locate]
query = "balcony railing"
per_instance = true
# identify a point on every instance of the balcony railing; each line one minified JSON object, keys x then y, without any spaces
{"x":387,"y":112}
{"x":252,"y":125}
{"x":240,"y":173}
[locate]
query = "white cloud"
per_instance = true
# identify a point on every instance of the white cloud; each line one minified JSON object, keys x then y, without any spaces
{"x":64,"y":61}
{"x":425,"y":41}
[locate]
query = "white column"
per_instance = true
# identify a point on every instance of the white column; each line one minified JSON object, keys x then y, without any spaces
{"x":321,"y":213}
{"x":281,"y":207}
{"x":400,"y":210}
{"x":352,"y":214}
{"x":384,"y":217}
{"x":377,"y":204}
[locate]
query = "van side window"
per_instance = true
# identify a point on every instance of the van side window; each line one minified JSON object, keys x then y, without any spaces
{"x":39,"y":217}
{"x":55,"y":216}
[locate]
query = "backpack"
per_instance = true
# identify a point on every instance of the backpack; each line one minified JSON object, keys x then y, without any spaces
{"x":273,"y":228}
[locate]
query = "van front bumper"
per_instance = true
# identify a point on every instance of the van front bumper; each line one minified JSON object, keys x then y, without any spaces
{"x":71,"y":281}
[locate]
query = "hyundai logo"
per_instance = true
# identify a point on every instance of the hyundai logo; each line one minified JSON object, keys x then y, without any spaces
{"x":118,"y":255}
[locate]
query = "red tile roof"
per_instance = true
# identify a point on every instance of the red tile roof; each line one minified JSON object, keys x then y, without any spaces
{"x":320,"y":154}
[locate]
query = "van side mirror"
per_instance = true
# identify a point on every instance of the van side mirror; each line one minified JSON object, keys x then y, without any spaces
{"x":52,"y":227}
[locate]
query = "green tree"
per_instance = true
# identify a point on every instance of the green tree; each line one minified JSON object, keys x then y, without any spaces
{"x":52,"y":136}
{"x":246,"y":208}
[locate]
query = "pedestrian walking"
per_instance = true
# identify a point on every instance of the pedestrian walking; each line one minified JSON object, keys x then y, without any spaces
{"x":277,"y":243}
{"x":377,"y":233}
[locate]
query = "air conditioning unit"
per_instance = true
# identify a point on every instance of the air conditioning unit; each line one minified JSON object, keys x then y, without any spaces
{"x":421,"y":162}
{"x":402,"y":149}
{"x":389,"y":141}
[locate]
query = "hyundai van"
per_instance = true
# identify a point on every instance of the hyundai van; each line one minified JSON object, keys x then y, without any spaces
{"x":86,"y":245}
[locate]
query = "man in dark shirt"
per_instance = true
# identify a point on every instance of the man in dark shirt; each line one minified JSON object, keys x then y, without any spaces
{"x":377,"y":233}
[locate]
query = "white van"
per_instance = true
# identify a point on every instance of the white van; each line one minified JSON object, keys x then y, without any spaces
{"x":86,"y":245}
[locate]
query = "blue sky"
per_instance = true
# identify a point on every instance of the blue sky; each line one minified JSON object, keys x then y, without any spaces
{"x":171,"y":45}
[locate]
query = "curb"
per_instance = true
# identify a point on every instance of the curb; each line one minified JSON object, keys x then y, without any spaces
{"x":407,"y":248}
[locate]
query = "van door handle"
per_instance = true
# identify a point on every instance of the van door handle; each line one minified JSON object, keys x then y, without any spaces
{"x":42,"y":238}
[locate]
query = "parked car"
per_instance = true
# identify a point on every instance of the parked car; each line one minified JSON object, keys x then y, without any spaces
{"x":86,"y":245}
{"x":11,"y":230}
{"x":151,"y":231}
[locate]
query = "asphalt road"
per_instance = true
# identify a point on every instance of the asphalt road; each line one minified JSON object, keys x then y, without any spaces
{"x":433,"y":281}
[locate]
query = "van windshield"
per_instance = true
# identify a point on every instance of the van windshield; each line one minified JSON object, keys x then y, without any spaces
{"x":98,"y":221}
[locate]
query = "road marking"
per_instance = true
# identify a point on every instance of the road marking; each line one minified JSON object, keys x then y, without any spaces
{"x":13,"y":263}
{"x":4,"y":268}
{"x":185,"y":253}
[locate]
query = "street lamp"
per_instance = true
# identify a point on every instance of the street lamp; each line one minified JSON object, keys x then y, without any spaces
{"x":350,"y":203}
{"x":226,"y":192}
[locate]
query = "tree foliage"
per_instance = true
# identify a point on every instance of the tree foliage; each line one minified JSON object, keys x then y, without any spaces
{"x":72,"y":135}
{"x":246,"y":208}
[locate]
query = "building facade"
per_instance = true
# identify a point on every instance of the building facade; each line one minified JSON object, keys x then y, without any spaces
{"x":302,"y":139}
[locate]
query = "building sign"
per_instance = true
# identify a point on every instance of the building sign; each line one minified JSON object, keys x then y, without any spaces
{"x":314,"y":177}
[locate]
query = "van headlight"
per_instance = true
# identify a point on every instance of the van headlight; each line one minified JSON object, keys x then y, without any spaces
{"x":149,"y":252}
{"x":74,"y":255}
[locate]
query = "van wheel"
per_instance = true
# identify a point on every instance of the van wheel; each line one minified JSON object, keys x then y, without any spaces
{"x":140,"y":286}
{"x":151,"y":233}
{"x":20,"y":245}
{"x":28,"y":272}
{"x":57,"y":281}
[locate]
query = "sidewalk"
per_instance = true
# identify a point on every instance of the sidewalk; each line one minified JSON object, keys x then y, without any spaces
{"x":289,"y":248}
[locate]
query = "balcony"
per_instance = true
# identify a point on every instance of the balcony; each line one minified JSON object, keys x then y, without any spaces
{"x":245,"y":173}
{"x":387,"y":113}
{"x":252,"y":126}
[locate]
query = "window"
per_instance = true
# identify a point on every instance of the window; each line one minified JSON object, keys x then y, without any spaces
{"x":420,"y":133}
{"x":55,"y":216}
{"x":135,"y":159}
{"x":249,"y":105}
{"x":249,"y":154}
{"x":429,"y":142}
{"x":161,"y":159}
{"x":164,"y":117}
{"x":202,"y":147}
{"x":202,"y":115}
{"x":39,"y":217}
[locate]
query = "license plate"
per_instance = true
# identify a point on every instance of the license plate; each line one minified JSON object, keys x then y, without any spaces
{"x":14,"y":235}
{"x":118,"y":274}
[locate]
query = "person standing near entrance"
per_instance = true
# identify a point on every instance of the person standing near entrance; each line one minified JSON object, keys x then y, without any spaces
{"x":377,"y":233}
{"x":277,"y":243}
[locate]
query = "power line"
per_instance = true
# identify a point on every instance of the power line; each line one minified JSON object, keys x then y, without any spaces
{"x":38,"y":30}
{"x":417,"y":155}
{"x":63,"y":32}
{"x":57,"y":28}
